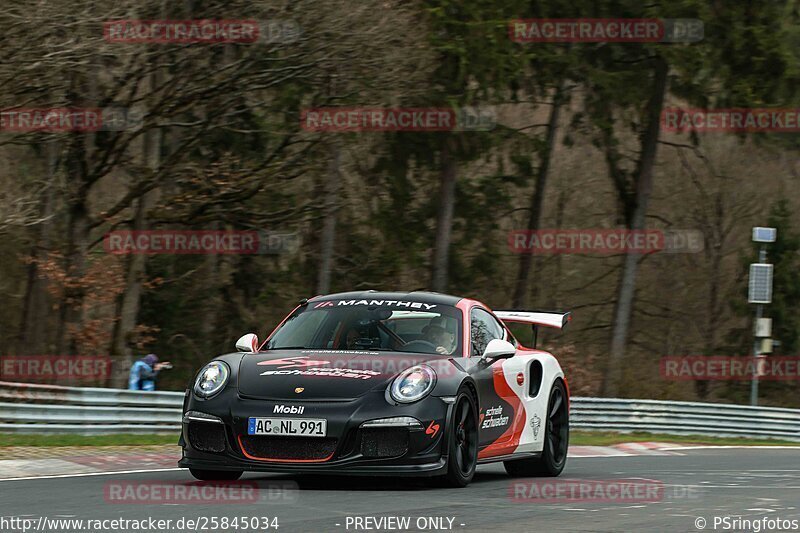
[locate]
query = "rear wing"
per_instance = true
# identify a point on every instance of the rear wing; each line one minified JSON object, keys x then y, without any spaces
{"x":536,"y":318}
{"x":548,"y":319}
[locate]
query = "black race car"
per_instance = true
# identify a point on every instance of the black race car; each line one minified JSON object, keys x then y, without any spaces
{"x":373,"y":383}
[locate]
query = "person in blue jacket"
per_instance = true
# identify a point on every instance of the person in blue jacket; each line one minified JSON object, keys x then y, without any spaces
{"x":144,"y":372}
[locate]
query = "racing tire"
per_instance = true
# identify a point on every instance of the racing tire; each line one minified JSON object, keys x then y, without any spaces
{"x":556,"y":440}
{"x":216,"y":475}
{"x":462,"y":442}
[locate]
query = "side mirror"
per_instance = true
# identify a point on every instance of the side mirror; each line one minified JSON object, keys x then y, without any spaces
{"x":498,"y":349}
{"x":247,"y":343}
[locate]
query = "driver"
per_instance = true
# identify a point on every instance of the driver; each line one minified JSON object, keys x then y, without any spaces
{"x":352,"y":338}
{"x":439,"y":337}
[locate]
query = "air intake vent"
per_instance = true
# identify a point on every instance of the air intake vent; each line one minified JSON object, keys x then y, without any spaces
{"x":384,"y":442}
{"x":207,"y":437}
{"x":265,"y":448}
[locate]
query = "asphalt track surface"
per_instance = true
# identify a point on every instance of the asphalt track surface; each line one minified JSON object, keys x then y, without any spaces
{"x":689,"y":484}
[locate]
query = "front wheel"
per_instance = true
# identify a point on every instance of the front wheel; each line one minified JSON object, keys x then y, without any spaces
{"x":216,"y":475}
{"x":556,"y":440}
{"x":462,"y":454}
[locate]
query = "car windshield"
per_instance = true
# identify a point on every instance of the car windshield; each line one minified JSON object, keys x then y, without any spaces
{"x":372,"y":325}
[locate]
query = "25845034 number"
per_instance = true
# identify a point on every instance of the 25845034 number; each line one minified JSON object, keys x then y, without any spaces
{"x":237,"y":523}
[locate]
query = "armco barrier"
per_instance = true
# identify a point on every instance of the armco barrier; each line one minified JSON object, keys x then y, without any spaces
{"x":32,"y":408}
{"x":685,"y":418}
{"x":27,"y":408}
{"x":88,"y":396}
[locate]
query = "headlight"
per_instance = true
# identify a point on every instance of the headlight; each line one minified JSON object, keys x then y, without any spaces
{"x":211,"y":379}
{"x":413,"y":384}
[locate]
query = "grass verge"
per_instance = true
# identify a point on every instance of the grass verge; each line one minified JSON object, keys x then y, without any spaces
{"x":607,"y":438}
{"x":15,"y":439}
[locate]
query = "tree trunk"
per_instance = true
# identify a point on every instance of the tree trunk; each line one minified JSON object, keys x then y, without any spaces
{"x":537,"y":200}
{"x":33,"y":335}
{"x":712,"y":317}
{"x":217,"y":271}
{"x":80,"y":151}
{"x":644,"y":184}
{"x":554,"y":295}
{"x":130,"y":301}
{"x":328,"y":237}
{"x":444,"y":220}
{"x":715,"y":248}
{"x":71,"y":306}
{"x":71,"y":314}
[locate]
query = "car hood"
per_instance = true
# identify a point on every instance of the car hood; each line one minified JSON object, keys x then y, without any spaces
{"x":321,"y":374}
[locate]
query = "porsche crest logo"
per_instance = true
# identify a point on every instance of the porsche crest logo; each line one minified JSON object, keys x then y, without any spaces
{"x":298,"y":390}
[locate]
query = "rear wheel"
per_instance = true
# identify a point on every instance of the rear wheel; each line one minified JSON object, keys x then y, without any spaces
{"x":216,"y":475}
{"x":556,"y":440}
{"x":462,"y":442}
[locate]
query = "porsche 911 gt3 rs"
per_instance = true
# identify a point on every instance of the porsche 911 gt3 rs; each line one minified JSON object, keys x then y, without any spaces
{"x":380,"y":383}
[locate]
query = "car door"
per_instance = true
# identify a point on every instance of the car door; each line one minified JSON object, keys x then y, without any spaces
{"x":499,"y":404}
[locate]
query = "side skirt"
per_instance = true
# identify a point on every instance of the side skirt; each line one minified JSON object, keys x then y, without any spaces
{"x":508,"y":457}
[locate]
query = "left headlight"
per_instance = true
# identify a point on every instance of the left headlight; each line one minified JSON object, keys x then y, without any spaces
{"x":211,"y":379}
{"x":413,"y":384}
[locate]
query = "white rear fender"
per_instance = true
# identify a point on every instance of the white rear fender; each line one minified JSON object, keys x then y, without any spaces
{"x":532,"y":386}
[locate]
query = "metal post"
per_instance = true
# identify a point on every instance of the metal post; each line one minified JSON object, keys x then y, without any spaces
{"x":754,"y":382}
{"x":762,"y":258}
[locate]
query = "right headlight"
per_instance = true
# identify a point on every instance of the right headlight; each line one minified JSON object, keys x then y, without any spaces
{"x":211,"y":379}
{"x":413,"y":384}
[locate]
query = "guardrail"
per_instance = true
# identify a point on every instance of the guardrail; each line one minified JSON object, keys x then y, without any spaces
{"x":685,"y":418}
{"x":29,"y":408}
{"x":33,"y":408}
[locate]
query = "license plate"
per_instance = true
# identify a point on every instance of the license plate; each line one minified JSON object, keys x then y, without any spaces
{"x":300,"y":427}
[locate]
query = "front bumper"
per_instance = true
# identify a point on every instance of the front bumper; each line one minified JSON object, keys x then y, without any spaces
{"x":348,"y":448}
